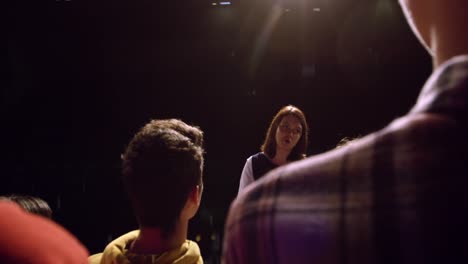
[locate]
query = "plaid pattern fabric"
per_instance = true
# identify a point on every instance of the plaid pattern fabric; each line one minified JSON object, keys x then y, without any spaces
{"x":395,"y":196}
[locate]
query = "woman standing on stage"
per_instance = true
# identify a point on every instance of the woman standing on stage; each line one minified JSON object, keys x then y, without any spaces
{"x":285,"y":141}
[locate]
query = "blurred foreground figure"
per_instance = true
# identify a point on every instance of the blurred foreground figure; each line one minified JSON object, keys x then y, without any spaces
{"x":396,"y":196}
{"x":28,"y":238}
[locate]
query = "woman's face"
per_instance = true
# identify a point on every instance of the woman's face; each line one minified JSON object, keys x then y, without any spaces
{"x":288,"y":133}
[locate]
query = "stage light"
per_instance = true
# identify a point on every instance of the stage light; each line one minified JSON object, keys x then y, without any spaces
{"x":224,"y":3}
{"x":213,"y":3}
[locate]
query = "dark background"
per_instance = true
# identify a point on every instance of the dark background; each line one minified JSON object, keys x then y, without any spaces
{"x":83,"y":76}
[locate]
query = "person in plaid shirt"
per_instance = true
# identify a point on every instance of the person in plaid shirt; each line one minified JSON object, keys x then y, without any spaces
{"x":395,"y":196}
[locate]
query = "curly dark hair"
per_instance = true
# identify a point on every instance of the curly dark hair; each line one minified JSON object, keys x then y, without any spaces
{"x":269,"y":145}
{"x":161,"y":165}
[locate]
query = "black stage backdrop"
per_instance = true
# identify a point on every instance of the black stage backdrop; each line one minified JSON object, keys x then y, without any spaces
{"x":83,"y":76}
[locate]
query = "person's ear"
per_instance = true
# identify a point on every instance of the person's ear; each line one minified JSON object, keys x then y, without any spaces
{"x":193,"y":202}
{"x":195,"y":194}
{"x":198,"y":190}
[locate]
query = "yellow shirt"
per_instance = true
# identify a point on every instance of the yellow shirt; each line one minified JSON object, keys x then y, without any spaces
{"x":116,"y":253}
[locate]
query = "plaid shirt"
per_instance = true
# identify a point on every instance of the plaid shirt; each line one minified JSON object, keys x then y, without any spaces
{"x":394,"y":196}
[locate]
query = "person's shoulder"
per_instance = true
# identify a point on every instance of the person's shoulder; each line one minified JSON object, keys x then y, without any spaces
{"x":259,"y":155}
{"x":454,"y":68}
{"x":253,"y":157}
{"x":458,"y":62}
{"x":95,"y":258}
{"x":422,"y":128}
{"x":115,"y":248}
{"x":261,"y":158}
{"x":446,"y":90}
{"x":122,"y":241}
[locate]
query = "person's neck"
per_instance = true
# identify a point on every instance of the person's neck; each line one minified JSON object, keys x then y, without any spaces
{"x":152,"y":241}
{"x":281,"y":157}
{"x":443,"y":55}
{"x":448,"y":44}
